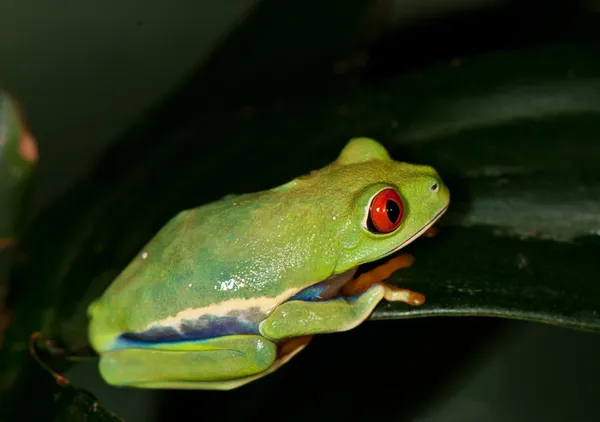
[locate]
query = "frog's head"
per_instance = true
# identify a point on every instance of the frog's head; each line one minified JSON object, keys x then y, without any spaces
{"x":390,"y":203}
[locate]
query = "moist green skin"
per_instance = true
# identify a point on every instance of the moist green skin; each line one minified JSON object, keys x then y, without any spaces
{"x":245,"y":255}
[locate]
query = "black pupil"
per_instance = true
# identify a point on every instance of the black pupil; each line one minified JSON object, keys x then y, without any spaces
{"x":392,"y":210}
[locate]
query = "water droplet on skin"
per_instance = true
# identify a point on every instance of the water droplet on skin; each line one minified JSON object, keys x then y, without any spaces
{"x":333,"y":218}
{"x":144,"y":255}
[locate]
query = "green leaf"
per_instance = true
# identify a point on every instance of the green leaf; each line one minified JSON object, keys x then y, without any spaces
{"x":516,"y":200}
{"x":484,"y":272}
{"x":516,"y":189}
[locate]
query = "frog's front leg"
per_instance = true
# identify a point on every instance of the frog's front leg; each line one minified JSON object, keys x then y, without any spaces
{"x":381,"y":273}
{"x":298,"y":318}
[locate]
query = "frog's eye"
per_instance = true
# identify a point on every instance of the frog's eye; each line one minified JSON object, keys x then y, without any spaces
{"x":385,"y":212}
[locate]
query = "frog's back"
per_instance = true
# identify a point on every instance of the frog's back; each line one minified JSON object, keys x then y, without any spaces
{"x":195,"y":279}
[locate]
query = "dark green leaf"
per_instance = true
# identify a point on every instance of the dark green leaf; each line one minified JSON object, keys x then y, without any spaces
{"x":513,"y":172}
{"x":522,"y":173}
{"x":480,"y":271}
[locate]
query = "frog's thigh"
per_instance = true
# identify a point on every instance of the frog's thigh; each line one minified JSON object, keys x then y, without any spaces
{"x":288,"y":351}
{"x":201,"y":364}
{"x":297,"y":318}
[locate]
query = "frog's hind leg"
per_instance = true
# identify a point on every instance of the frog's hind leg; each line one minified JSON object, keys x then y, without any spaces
{"x":215,"y":364}
{"x":188,"y":364}
{"x":286,"y":351}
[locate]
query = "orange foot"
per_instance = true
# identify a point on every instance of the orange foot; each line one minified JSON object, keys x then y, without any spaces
{"x":381,"y":273}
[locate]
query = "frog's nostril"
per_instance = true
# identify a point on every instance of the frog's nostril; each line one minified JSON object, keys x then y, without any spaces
{"x":434,"y":187}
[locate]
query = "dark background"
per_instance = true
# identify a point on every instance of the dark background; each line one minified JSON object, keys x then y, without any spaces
{"x":89,"y":72}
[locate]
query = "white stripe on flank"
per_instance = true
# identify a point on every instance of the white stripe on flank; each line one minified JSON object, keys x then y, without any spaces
{"x":264,"y":304}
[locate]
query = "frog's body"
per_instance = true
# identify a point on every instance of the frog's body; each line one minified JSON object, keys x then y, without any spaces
{"x":227,"y":292}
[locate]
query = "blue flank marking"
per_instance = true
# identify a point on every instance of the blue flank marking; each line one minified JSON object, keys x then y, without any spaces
{"x":209,"y":327}
{"x":312,"y":293}
{"x":315,"y":292}
{"x":206,"y":328}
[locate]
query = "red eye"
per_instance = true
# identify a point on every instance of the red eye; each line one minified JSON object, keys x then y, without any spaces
{"x":386,"y":212}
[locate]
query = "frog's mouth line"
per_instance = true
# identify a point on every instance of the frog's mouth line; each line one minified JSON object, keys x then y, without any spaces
{"x":416,"y":235}
{"x":330,"y":288}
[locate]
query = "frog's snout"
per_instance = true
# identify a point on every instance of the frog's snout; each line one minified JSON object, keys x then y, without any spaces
{"x":444,"y":194}
{"x":439,"y":193}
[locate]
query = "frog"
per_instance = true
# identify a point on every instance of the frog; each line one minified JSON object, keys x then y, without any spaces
{"x":228,"y":292}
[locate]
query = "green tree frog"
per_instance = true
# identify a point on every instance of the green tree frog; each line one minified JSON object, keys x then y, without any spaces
{"x":228,"y":292}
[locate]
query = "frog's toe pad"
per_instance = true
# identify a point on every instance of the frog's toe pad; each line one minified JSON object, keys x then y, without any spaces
{"x":396,"y":294}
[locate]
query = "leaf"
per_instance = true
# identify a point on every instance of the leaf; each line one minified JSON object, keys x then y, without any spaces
{"x":510,"y":277}
{"x":524,"y":183}
{"x":514,"y":204}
